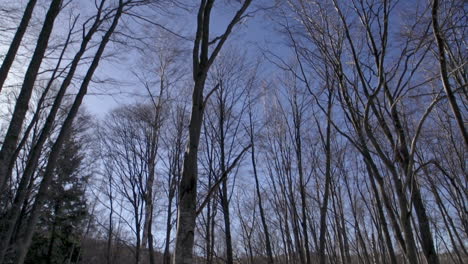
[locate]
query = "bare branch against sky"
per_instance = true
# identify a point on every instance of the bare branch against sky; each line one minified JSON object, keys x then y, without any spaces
{"x":233,"y":131}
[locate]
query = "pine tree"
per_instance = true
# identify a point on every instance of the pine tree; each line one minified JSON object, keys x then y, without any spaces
{"x":65,"y":213}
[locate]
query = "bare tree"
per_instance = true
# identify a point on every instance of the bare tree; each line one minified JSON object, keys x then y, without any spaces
{"x":252,"y":133}
{"x":444,"y":70}
{"x":202,"y":61}
{"x":22,"y":102}
{"x":23,"y":244}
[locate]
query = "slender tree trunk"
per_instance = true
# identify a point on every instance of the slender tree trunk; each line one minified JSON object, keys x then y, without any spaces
{"x":188,"y":184}
{"x":381,"y":217}
{"x":208,"y":222}
{"x":338,"y":229}
{"x":227,"y":222}
{"x":24,"y":243}
{"x":110,"y":230}
{"x":324,"y":207}
{"x":343,"y":226}
{"x":424,"y":226}
{"x":298,"y":147}
{"x":290,"y":193}
{"x":212,"y":237}
{"x":147,"y":228}
{"x":405,"y":220}
{"x":15,"y":44}
{"x":22,"y":103}
{"x":173,"y":183}
{"x":52,"y":235}
{"x":153,"y":152}
{"x":444,"y":71}
{"x":166,"y":254}
{"x":416,"y":198}
{"x":151,"y":248}
{"x":224,"y":192}
{"x":447,"y":221}
{"x":257,"y":189}
{"x":292,"y":254}
{"x":36,"y":151}
{"x":138,"y":237}
{"x":408,"y":242}
{"x":202,"y":62}
{"x":40,"y":104}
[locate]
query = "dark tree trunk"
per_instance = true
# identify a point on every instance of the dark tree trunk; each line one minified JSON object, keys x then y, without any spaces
{"x":24,"y":243}
{"x":444,"y":75}
{"x":257,"y":189}
{"x":53,"y":234}
{"x":22,"y":102}
{"x":202,"y":62}
{"x":15,"y":44}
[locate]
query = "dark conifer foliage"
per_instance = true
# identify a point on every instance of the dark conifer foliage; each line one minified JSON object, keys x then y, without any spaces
{"x":64,"y":217}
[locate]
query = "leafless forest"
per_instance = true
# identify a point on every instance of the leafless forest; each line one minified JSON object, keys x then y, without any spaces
{"x":233,"y":131}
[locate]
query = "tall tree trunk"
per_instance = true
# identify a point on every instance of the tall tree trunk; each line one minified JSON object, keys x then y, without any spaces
{"x":36,"y":151}
{"x":424,"y":225}
{"x":412,"y":185}
{"x":259,"y":195}
{"x":172,"y":182}
{"x":208,"y":223}
{"x":224,"y":192}
{"x":24,"y":243}
{"x":343,"y":226}
{"x":381,"y":217}
{"x":227,"y":222}
{"x":298,"y":147}
{"x":188,"y":184}
{"x":447,"y":220}
{"x":111,"y":228}
{"x":22,"y":103}
{"x":15,"y":43}
{"x":444,"y":71}
{"x":202,"y":62}
{"x":174,"y":177}
{"x":324,"y":207}
{"x":40,"y":104}
{"x":53,"y":234}
{"x":153,"y":152}
{"x":211,"y":252}
{"x":147,"y":227}
{"x":138,"y":237}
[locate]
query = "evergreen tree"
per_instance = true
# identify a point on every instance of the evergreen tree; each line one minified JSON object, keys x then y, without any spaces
{"x":64,"y":216}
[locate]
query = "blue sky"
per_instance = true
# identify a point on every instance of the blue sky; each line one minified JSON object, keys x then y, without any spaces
{"x":251,"y":35}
